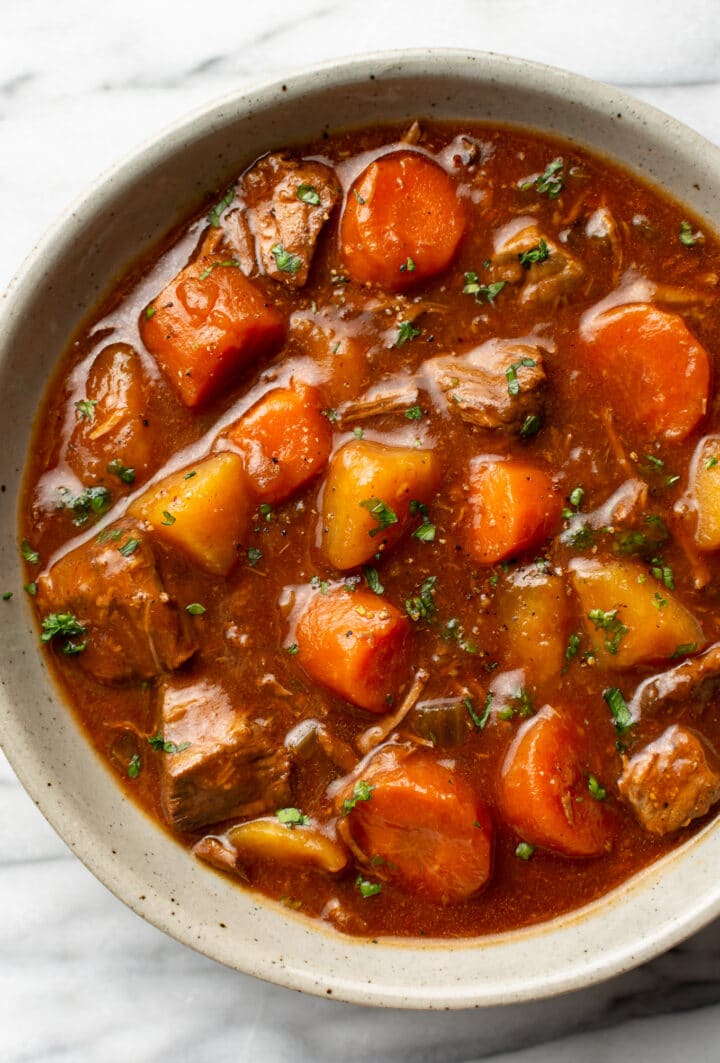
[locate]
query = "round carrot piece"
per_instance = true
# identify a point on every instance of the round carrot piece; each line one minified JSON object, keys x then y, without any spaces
{"x":543,"y":792}
{"x":656,"y":374}
{"x":514,"y":507}
{"x":422,"y":826}
{"x":355,"y":644}
{"x":402,"y":222}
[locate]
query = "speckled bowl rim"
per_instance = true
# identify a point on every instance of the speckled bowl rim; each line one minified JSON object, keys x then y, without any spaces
{"x":127,"y":852}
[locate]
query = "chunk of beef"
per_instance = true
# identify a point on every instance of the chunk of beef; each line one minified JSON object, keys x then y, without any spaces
{"x":671,"y":781}
{"x":545,"y":280}
{"x":694,"y":679}
{"x":497,"y":385}
{"x":134,"y":628}
{"x":231,"y":765}
{"x":285,"y":226}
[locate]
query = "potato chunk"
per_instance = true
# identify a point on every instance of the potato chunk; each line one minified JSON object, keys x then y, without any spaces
{"x":704,"y":491}
{"x":630,"y":617}
{"x":531,"y":611}
{"x":204,"y":510}
{"x":367,"y":495}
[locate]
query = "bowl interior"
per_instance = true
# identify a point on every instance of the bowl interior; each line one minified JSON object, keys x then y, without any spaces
{"x":120,"y":218}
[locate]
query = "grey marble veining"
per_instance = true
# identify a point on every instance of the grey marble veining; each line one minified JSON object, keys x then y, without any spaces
{"x":81,"y":977}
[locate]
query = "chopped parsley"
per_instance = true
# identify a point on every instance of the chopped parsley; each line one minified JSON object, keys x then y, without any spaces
{"x":609,"y":622}
{"x":524,"y":850}
{"x":534,"y":254}
{"x":29,"y":554}
{"x":215,"y":212}
{"x":292,"y":649}
{"x":307,"y":194}
{"x":168,"y":519}
{"x":573,"y":646}
{"x":150,"y":312}
{"x":31,"y":588}
{"x":358,"y":197}
{"x":513,"y":384}
{"x":711,"y":462}
{"x":549,"y":182}
{"x":426,"y":532}
{"x":408,"y":266}
{"x":253,"y":555}
{"x":286,"y":261}
{"x":134,"y":766}
{"x":7,"y":595}
{"x":195,"y":609}
{"x":683,"y":648}
{"x":663,"y":573}
{"x":522,"y":703}
{"x":414,"y":413}
{"x":372,"y":579}
{"x":686,"y":236}
{"x":362,"y":791}
{"x":531,"y":426}
{"x":126,"y":474}
{"x":331,"y":414}
{"x":227,"y":263}
{"x":66,"y":626}
{"x":483,"y":292}
{"x":110,"y":535}
{"x":454,"y":632}
{"x":621,"y":714}
{"x":86,"y":409}
{"x":422,"y":606}
{"x":367,"y":889}
{"x":479,"y":721}
{"x":406,"y":332}
{"x":129,"y":547}
{"x":92,"y":501}
{"x":161,"y":745}
{"x":189,"y":475}
{"x":321,"y":585}
{"x":381,"y":512}
{"x":596,"y":790}
{"x":291,"y":817}
{"x":358,"y":432}
{"x":266,"y":511}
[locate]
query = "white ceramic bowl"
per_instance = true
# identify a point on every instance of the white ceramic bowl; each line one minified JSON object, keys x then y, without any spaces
{"x":124,"y":214}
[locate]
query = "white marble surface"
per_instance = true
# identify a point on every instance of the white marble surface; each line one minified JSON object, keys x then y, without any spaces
{"x":81,"y":977}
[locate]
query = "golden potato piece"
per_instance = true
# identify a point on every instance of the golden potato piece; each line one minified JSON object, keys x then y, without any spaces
{"x":704,"y":492}
{"x":269,"y":839}
{"x":204,"y":510}
{"x":367,"y":495}
{"x":531,"y":611}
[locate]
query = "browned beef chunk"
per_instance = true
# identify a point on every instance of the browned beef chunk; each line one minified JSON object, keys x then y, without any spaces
{"x":286,"y":226}
{"x":232,"y":766}
{"x":551,"y":276}
{"x":134,"y":629}
{"x":694,"y":680}
{"x":498,"y":385}
{"x":671,"y":781}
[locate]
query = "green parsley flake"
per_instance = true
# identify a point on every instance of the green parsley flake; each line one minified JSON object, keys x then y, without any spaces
{"x":367,"y":889}
{"x":253,"y":555}
{"x":531,"y":426}
{"x":220,"y":208}
{"x":372,"y":578}
{"x":609,"y":622}
{"x":31,"y":589}
{"x":621,"y":714}
{"x":92,"y":501}
{"x":168,"y":519}
{"x":362,"y":791}
{"x":86,"y":409}
{"x":129,"y":547}
{"x":292,"y":649}
{"x":266,"y":511}
{"x":161,"y":745}
{"x":291,"y":818}
{"x":422,"y":607}
{"x":534,"y":254}
{"x":381,"y":512}
{"x":487,"y":293}
{"x":227,"y":263}
{"x":414,"y":413}
{"x":195,"y":609}
{"x":408,"y":266}
{"x":66,"y":625}
{"x":29,"y":554}
{"x":134,"y":766}
{"x":479,"y":721}
{"x":7,"y":596}
{"x":150,"y":312}
{"x":286,"y":261}
{"x":307,"y":194}
{"x":513,"y":384}
{"x":549,"y":182}
{"x":406,"y":332}
{"x":597,"y":791}
{"x":687,"y":237}
{"x":126,"y":474}
{"x":524,"y":850}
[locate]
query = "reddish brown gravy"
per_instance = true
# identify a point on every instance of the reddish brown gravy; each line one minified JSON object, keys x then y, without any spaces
{"x":242,"y":634}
